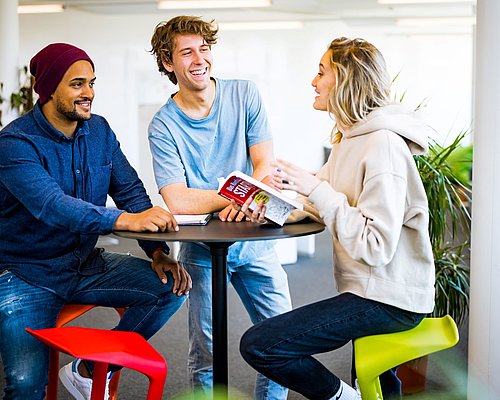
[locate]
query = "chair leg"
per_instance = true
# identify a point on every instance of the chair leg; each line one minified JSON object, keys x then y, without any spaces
{"x":370,"y":389}
{"x":378,"y":387}
{"x":53,"y":375}
{"x":113,"y":385}
{"x":68,"y":314}
{"x":99,"y":380}
{"x":155,"y":390}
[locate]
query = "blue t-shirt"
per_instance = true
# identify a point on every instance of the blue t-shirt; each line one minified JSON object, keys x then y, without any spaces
{"x":198,"y":151}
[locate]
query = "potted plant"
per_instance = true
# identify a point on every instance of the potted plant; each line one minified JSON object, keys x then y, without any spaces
{"x":449,"y":197}
{"x":445,"y":173}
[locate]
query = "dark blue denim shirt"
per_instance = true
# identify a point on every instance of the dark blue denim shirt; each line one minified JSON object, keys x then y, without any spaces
{"x":53,"y":192}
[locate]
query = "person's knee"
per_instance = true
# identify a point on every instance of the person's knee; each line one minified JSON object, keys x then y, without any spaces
{"x":249,"y":346}
{"x":168,"y":299}
{"x":26,"y":384}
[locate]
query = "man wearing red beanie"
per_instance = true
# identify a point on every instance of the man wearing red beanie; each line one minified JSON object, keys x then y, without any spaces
{"x":50,"y":64}
{"x":58,"y":164}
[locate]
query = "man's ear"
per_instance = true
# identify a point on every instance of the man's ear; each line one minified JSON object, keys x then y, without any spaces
{"x":168,"y":66}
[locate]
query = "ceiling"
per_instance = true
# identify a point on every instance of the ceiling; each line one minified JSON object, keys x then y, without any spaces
{"x":367,"y":11}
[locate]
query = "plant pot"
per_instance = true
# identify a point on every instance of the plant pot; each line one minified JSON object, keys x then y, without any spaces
{"x":413,"y":375}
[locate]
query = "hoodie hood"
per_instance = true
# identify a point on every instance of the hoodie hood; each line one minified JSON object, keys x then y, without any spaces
{"x":398,"y":119}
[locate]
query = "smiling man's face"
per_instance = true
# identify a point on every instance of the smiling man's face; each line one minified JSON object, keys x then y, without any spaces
{"x":191,"y":62}
{"x":74,"y":94}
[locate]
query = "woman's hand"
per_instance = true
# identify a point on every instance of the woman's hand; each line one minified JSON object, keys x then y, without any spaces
{"x":288,"y":176}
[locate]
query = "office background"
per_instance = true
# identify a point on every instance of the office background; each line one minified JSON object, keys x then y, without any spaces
{"x":432,"y":62}
{"x":445,"y":58}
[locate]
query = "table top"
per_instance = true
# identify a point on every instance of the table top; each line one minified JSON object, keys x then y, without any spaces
{"x":218,"y":231}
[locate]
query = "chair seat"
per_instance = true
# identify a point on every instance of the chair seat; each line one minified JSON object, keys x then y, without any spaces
{"x":68,"y":313}
{"x":127,"y":349}
{"x":378,"y":353}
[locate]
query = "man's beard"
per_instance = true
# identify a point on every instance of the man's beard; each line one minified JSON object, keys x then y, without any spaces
{"x":71,"y":114}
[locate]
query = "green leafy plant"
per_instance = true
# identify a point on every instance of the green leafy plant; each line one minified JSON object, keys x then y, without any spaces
{"x":452,"y":282}
{"x":22,"y":100}
{"x":460,"y":161}
{"x":449,"y":196}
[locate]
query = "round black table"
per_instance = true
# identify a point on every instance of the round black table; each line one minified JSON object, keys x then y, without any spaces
{"x":218,"y":236}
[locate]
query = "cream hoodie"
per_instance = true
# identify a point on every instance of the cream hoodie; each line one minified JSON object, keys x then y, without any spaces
{"x":373,"y":202}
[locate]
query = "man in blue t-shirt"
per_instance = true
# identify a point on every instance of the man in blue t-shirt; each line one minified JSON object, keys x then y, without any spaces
{"x":58,"y":164}
{"x":207,"y":129}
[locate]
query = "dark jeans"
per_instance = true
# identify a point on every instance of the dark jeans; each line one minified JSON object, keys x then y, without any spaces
{"x":282,"y":347}
{"x":128,"y":282}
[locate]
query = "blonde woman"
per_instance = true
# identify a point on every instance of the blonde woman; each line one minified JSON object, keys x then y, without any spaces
{"x":370,"y":196}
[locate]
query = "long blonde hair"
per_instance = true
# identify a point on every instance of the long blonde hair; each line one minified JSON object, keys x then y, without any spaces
{"x":362,"y":82}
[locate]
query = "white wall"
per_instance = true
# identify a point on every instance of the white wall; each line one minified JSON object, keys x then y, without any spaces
{"x":129,"y":88}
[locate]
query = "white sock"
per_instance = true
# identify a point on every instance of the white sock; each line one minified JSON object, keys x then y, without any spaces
{"x":345,"y":392}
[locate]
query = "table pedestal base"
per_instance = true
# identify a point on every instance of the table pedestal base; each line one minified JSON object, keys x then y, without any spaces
{"x":218,"y":250}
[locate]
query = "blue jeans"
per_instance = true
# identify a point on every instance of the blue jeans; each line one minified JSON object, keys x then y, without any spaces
{"x":127,"y":282}
{"x":263,"y":289}
{"x":282,"y":347}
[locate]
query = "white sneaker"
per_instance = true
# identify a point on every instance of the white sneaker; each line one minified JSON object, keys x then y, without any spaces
{"x":358,"y":391}
{"x":78,"y":386}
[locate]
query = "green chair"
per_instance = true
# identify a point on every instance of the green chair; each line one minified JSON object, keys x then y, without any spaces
{"x":379,"y":353}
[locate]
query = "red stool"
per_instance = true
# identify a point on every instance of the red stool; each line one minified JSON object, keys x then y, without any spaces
{"x":68,"y":313}
{"x":103,"y":347}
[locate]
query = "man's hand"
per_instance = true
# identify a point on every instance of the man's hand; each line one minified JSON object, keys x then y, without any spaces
{"x":155,"y":219}
{"x":230,"y":214}
{"x":269,"y":180}
{"x":258,"y":215}
{"x":162,"y":263}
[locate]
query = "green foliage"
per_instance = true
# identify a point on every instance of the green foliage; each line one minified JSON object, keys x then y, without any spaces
{"x":452,"y":282}
{"x":448,"y":192}
{"x":460,"y":161}
{"x":22,"y":100}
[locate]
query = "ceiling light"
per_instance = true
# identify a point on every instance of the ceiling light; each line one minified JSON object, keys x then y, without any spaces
{"x":424,"y":1}
{"x":42,"y":8}
{"x":264,"y":25}
{"x":190,"y":4}
{"x":436,"y":21}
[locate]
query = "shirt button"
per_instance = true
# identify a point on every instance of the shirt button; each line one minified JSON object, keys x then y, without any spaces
{"x":77,"y":171}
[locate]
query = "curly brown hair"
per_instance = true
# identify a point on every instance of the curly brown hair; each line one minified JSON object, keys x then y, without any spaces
{"x":163,"y":40}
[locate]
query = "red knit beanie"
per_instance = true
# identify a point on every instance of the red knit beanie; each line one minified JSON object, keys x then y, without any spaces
{"x":50,"y":64}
